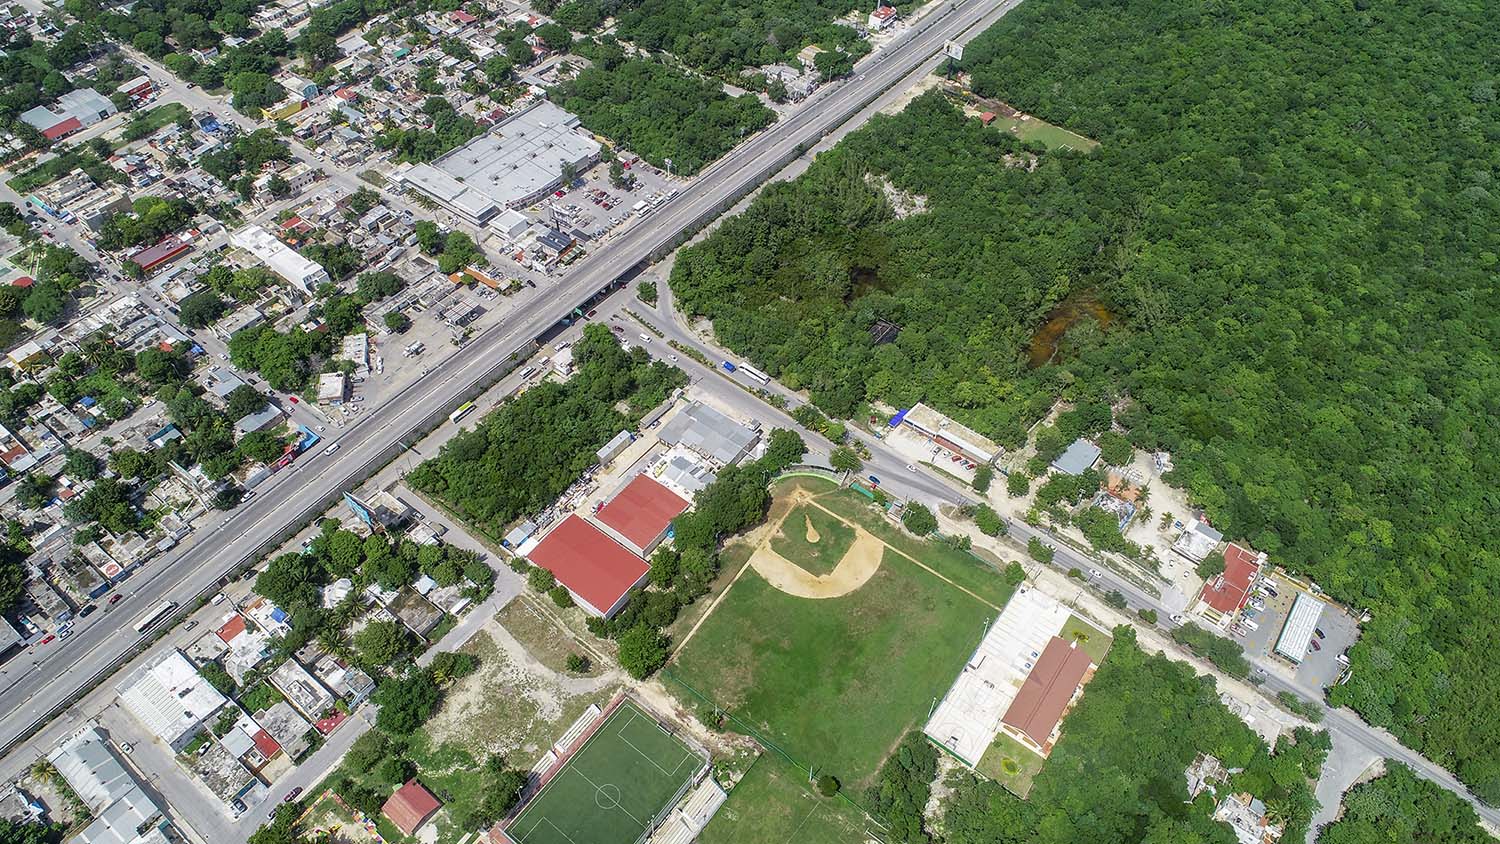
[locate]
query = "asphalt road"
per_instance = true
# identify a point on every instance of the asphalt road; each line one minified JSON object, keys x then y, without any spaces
{"x":37,"y":682}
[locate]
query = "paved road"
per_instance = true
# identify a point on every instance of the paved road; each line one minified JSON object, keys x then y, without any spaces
{"x":49,"y":676}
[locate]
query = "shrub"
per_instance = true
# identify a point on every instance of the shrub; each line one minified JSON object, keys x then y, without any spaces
{"x":560,"y":596}
{"x":1115,"y":599}
{"x":1017,"y":484}
{"x":1147,"y":615}
{"x":989,"y":522}
{"x":828,"y":785}
{"x":983,"y":477}
{"x":1040,"y":551}
{"x":540,"y":579}
{"x":577,"y":664}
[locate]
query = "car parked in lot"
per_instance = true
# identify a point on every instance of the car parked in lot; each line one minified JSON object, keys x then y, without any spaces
{"x":1321,"y":634}
{"x":1315,"y":645}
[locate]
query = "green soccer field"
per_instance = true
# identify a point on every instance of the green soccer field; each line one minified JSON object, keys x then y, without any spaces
{"x":612,"y":788}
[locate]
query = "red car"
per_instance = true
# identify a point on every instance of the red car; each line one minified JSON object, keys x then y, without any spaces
{"x":293,"y":399}
{"x":116,"y":598}
{"x":1316,"y":646}
{"x":50,"y":638}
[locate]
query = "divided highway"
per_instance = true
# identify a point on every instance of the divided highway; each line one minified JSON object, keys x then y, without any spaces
{"x":35,"y":686}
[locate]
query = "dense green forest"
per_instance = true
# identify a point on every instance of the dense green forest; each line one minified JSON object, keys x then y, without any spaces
{"x":1399,"y":808}
{"x":522,"y":456}
{"x":1292,"y":230}
{"x":658,"y":111}
{"x":722,"y":37}
{"x":1105,"y":784}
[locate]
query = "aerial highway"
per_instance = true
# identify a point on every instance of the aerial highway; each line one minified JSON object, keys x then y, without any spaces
{"x":35,"y":686}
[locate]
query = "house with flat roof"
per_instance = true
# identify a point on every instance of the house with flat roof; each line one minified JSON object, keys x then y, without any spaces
{"x":302,"y":689}
{"x":598,"y":571}
{"x":1198,"y":540}
{"x":640,"y":515}
{"x":170,"y":698}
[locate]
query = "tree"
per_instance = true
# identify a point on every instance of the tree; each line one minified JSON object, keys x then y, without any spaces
{"x":1114,"y":449}
{"x":394,"y":770}
{"x":784,"y":448}
{"x":646,"y":292}
{"x":367,"y":751}
{"x":1039,"y":551}
{"x":405,"y":702}
{"x":448,"y":666}
{"x":382,"y":642}
{"x":541,"y":579}
{"x":642,"y":651}
{"x":201,"y":309}
{"x":828,"y":785}
{"x":1017,"y":484}
{"x":1211,"y":566}
{"x":46,"y":302}
{"x":577,"y":664}
{"x":160,"y":367}
{"x":918,"y":519}
{"x":1115,"y":599}
{"x":844,"y":459}
{"x":397,"y":321}
{"x":80,"y":464}
{"x":983,"y":477}
{"x":989,"y":522}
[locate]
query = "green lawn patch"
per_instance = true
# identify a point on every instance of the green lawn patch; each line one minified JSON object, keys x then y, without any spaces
{"x":612,"y":788}
{"x":774,"y":802}
{"x":834,"y":682}
{"x":813,"y":538}
{"x":146,"y":122}
{"x":1011,"y":764}
{"x":1095,"y":642}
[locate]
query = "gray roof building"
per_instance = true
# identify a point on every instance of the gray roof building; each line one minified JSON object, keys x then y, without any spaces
{"x":710,"y":433}
{"x":258,"y":421}
{"x":1079,"y":458}
{"x":123,"y":813}
{"x":9,"y":636}
{"x":85,"y":105}
{"x":517,"y":162}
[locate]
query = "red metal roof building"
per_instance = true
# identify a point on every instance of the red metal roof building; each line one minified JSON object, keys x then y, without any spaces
{"x":1044,"y":698}
{"x":63,"y":129}
{"x":597,"y":570}
{"x":411,"y":806}
{"x":642,"y":513}
{"x":164,"y":252}
{"x":1224,"y":594}
{"x":265,"y":744}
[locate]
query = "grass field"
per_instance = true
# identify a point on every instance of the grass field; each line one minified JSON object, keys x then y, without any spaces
{"x":834,"y":682}
{"x":1036,"y":129}
{"x":773,"y":803}
{"x":611,"y":789}
{"x":813,"y":539}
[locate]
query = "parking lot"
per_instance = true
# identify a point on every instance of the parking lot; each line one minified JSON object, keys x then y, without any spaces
{"x":599,"y":209}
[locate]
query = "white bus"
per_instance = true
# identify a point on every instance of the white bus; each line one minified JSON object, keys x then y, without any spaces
{"x":157,"y":614}
{"x":463,"y":410}
{"x":754,"y":373}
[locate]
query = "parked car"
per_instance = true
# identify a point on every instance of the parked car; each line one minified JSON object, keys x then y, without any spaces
{"x":65,"y":631}
{"x":292,"y":795}
{"x":87,"y":611}
{"x":1247,"y":623}
{"x":116,"y":598}
{"x":1315,"y":645}
{"x":50,"y":638}
{"x":1319,"y":631}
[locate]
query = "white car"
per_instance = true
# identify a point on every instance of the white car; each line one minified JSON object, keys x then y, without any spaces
{"x":1095,"y":573}
{"x":911,"y":467}
{"x":645,"y":338}
{"x":672,"y":358}
{"x":1178,"y":618}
